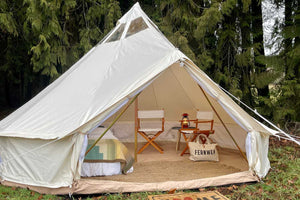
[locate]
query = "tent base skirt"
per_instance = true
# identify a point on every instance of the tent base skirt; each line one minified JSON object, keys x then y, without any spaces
{"x":94,"y":186}
{"x":161,"y":172}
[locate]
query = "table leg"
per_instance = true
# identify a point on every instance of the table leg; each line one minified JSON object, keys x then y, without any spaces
{"x":178,"y":141}
{"x":188,"y":139}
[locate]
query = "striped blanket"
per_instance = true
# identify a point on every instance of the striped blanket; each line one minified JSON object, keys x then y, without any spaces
{"x":110,"y":150}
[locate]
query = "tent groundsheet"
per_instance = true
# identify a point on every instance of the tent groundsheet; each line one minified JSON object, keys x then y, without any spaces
{"x":91,"y":186}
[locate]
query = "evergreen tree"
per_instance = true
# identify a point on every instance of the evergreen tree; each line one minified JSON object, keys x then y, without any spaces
{"x":41,"y":39}
{"x":14,"y":70}
{"x":179,"y":21}
{"x":287,"y":105}
{"x":230,"y":37}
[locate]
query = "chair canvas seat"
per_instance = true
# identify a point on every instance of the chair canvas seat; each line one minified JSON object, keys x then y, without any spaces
{"x":150,"y":129}
{"x":187,"y":131}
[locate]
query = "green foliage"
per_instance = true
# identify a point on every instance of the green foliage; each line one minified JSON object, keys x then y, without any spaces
{"x":41,"y":39}
{"x":96,"y":18}
{"x":208,"y":21}
{"x":179,"y":20}
{"x":284,"y":105}
{"x":20,"y":194}
{"x":287,"y":104}
{"x":282,"y":182}
{"x":7,"y":21}
{"x":212,"y":16}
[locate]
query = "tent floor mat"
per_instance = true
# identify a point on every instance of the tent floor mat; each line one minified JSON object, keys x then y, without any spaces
{"x":162,"y":172}
{"x":151,"y":166}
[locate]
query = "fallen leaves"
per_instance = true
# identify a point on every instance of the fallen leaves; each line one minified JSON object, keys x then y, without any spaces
{"x":172,"y":191}
{"x":40,"y":197}
{"x":32,"y":193}
{"x":100,"y":197}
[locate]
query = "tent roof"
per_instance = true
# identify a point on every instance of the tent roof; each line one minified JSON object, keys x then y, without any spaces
{"x":107,"y":74}
{"x":132,"y":54}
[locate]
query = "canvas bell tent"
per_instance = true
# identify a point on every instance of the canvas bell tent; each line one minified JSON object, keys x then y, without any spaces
{"x":42,"y":143}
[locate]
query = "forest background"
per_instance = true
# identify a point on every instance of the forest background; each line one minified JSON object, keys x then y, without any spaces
{"x":41,"y":39}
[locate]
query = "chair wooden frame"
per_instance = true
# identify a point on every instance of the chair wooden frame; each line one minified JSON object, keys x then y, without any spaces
{"x":196,"y":131}
{"x":150,"y":139}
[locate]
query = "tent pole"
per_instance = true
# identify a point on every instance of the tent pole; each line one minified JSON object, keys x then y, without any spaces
{"x":227,"y":130}
{"x":135,"y":128}
{"x":115,"y":120}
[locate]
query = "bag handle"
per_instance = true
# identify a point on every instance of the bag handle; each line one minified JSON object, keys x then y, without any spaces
{"x":202,"y":135}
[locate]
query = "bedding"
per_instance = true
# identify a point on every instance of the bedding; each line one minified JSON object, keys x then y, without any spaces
{"x":108,"y":157}
{"x":110,"y":150}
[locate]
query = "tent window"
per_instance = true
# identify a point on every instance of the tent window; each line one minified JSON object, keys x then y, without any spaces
{"x":136,"y":26}
{"x":117,"y":34}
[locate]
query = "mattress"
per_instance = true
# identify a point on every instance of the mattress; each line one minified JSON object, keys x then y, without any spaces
{"x":108,"y":157}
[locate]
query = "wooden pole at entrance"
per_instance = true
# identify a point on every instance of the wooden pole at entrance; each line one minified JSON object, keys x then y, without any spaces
{"x":115,"y":120}
{"x":136,"y":104}
{"x":227,"y":130}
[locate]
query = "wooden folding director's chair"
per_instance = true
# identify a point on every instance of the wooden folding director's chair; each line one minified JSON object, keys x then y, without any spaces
{"x":150,"y":134}
{"x":202,"y":117}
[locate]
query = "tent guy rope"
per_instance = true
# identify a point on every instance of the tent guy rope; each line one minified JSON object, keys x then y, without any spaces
{"x":259,"y":115}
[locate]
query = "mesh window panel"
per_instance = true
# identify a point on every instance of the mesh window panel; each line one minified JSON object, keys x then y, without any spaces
{"x":117,"y":34}
{"x":136,"y":26}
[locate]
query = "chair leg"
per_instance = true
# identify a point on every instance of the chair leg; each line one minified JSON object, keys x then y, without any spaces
{"x":154,"y":144}
{"x":146,"y":145}
{"x":143,"y":148}
{"x":150,"y":141}
{"x":157,"y":146}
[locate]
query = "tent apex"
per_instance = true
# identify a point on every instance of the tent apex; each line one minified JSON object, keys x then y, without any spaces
{"x":134,"y":12}
{"x":137,"y":4}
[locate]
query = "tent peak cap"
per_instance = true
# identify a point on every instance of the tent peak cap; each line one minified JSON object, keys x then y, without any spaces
{"x":134,"y":12}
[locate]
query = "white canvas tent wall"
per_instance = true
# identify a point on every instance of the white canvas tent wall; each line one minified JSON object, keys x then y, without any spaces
{"x":40,"y":143}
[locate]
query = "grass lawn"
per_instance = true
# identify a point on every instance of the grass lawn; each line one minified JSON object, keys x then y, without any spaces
{"x":282,"y":182}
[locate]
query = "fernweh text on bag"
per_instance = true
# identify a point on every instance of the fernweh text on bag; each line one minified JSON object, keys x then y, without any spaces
{"x":202,"y":152}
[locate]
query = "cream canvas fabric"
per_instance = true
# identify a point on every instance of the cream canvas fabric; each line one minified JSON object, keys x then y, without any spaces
{"x":42,"y":140}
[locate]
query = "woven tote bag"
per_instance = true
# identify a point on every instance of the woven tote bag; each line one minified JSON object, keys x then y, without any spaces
{"x":203,"y":152}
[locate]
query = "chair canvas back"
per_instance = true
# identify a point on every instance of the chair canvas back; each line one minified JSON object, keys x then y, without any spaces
{"x":205,"y":117}
{"x":147,"y":120}
{"x":151,"y":114}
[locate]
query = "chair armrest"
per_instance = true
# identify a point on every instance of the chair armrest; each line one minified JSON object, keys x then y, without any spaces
{"x":207,"y":121}
{"x":206,"y":132}
{"x":190,"y":120}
